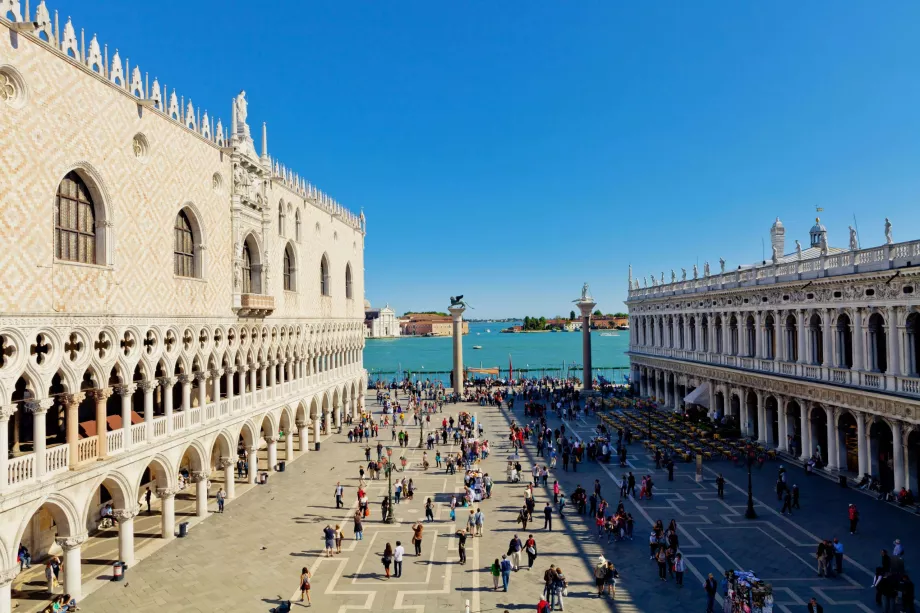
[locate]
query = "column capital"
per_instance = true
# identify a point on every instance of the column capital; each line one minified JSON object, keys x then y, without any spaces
{"x":6,"y":411}
{"x":167,"y":492}
{"x":184,"y":379}
{"x":101,"y":394}
{"x":125,"y":390}
{"x":123,"y":514}
{"x":198,"y":476}
{"x":224,"y":462}
{"x":148,"y":386}
{"x":168,"y":382}
{"x":230,"y":370}
{"x":201,"y":376}
{"x":38,"y":407}
{"x":7,"y":575}
{"x":252,"y":450}
{"x":216,"y":372}
{"x":244,"y":368}
{"x":72,"y":400}
{"x":271,"y":439}
{"x":71,"y":542}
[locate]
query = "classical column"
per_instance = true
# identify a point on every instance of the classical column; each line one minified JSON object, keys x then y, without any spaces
{"x":457,"y":314}
{"x":758,"y":335}
{"x":800,"y":341}
{"x":253,"y":380}
{"x":897,"y":445}
{"x":316,"y":431}
{"x":894,"y":344}
{"x":272,"y":442}
{"x":806,"y":430}
{"x":327,"y":420}
{"x":148,"y":387}
{"x":253,"y":464}
{"x":303,"y":436}
{"x":859,"y":352}
{"x":38,"y":409}
{"x":288,"y":446}
{"x":216,"y":374}
{"x":168,"y":383}
{"x":186,"y":382}
{"x":229,"y":372}
{"x":167,"y":496}
{"x":6,"y":412}
{"x":200,"y":477}
{"x":226,"y":464}
{"x":833,"y":461}
{"x":72,"y":404}
{"x":271,"y":374}
{"x":761,"y":417}
{"x":101,"y":396}
{"x":861,"y":443}
{"x":827,"y":337}
{"x":241,"y":384}
{"x":781,"y":419}
{"x":73,"y":579}
{"x":126,"y":391}
{"x":125,"y":519}
{"x":6,"y":583}
{"x":202,"y":378}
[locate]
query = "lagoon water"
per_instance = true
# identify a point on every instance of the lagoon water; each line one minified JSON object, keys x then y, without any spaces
{"x":532,"y":353}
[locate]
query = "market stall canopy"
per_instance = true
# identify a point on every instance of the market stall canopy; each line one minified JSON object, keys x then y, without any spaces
{"x":699,"y":396}
{"x":483,"y":371}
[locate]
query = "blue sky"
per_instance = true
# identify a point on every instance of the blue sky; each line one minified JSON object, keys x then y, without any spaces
{"x":511,"y":151}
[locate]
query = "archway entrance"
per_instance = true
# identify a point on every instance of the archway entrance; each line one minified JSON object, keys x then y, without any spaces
{"x":880,"y":453}
{"x":819,"y":441}
{"x":848,"y":446}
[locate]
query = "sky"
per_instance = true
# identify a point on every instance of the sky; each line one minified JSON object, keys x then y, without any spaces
{"x":512,"y":151}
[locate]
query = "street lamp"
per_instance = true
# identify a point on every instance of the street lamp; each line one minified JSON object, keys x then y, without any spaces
{"x":750,"y":513}
{"x":388,"y":468}
{"x":421,"y":430}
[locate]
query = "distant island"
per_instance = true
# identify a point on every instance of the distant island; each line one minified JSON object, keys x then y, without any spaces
{"x":599,"y":321}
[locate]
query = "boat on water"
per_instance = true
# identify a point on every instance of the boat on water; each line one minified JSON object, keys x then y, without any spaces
{"x":477,"y":346}
{"x":488,"y":331}
{"x":609,"y":334}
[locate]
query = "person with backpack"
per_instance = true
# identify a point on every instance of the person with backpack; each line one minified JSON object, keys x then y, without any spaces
{"x":600,"y":575}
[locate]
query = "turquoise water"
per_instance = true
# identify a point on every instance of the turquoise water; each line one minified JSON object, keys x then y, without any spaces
{"x":533,"y":352}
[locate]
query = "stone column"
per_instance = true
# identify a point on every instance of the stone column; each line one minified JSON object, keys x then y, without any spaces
{"x":758,"y":336}
{"x":327,"y":420}
{"x":897,"y":446}
{"x":861,"y":443}
{"x":200,"y":477}
{"x":126,"y":391}
{"x":316,"y":433}
{"x":781,"y":420}
{"x":833,"y":460}
{"x":168,"y":383}
{"x":827,"y":338}
{"x":101,"y":396}
{"x":202,"y":378}
{"x":859,"y":352}
{"x":6,"y":583}
{"x":800,"y":340}
{"x":271,"y":374}
{"x":167,"y":496}
{"x":894,"y":344}
{"x":272,"y":442}
{"x":148,"y":387}
{"x":72,"y":404}
{"x":38,"y":409}
{"x":226,"y":464}
{"x":806,"y":430}
{"x":125,"y":519}
{"x":73,"y":577}
{"x":288,"y":445}
{"x":186,"y":382}
{"x":761,"y":417}
{"x":216,"y":374}
{"x":241,"y":384}
{"x":229,"y":372}
{"x":303,"y":437}
{"x":6,"y":412}
{"x":457,"y":313}
{"x":253,"y":376}
{"x":253,"y":464}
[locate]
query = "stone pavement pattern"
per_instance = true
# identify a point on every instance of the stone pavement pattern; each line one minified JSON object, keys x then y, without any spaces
{"x":250,"y":558}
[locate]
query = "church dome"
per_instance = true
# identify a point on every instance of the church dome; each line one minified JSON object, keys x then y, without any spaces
{"x":818,"y":227}
{"x":817,"y":233}
{"x":367,"y":304}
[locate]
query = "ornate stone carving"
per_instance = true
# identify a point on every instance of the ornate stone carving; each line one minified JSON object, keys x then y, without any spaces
{"x":123,"y":514}
{"x":101,"y":394}
{"x":6,"y":411}
{"x":167,"y":492}
{"x":71,"y":400}
{"x":38,"y":406}
{"x":199,"y":476}
{"x":147,"y":386}
{"x":126,"y":390}
{"x":8,"y":574}
{"x":224,"y":462}
{"x":71,"y":542}
{"x":888,"y":239}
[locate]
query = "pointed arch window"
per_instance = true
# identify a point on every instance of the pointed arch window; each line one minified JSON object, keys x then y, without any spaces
{"x":247,"y":269}
{"x":288,"y":269}
{"x":324,"y":284}
{"x":74,"y":221}
{"x":348,"y":294}
{"x":184,"y":249}
{"x":297,"y":225}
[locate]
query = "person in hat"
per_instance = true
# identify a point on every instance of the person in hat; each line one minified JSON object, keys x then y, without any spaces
{"x":600,"y":575}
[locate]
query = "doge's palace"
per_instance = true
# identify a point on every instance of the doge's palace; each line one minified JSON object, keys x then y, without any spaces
{"x":177,"y":304}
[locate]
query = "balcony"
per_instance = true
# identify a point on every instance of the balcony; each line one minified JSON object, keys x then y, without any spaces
{"x":256,"y":305}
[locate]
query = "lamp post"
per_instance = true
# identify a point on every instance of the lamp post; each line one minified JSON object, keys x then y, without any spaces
{"x":389,"y":470}
{"x":421,"y":430}
{"x":750,"y":513}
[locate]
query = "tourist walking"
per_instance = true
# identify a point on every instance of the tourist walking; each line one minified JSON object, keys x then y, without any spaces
{"x":600,"y":575}
{"x":398,"y":559}
{"x":710,"y":586}
{"x":359,"y":525}
{"x":559,"y":589}
{"x":147,"y":496}
{"x":662,"y":558}
{"x":480,"y":519}
{"x":505,"y":566}
{"x":787,"y":503}
{"x":339,"y":535}
{"x":221,"y":497}
{"x":853,"y":514}
{"x":429,"y":510}
{"x":838,"y":555}
{"x":305,"y":584}
{"x":548,"y":517}
{"x":514,"y":552}
{"x":720,"y":485}
{"x":387,"y":559}
{"x":530,"y":547}
{"x":496,"y":571}
{"x":329,"y":536}
{"x":814,"y":607}
{"x":417,"y":529}
{"x":679,"y":569}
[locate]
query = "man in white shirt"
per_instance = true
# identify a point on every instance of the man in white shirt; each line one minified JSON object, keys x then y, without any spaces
{"x":339,"y":492}
{"x":398,"y":559}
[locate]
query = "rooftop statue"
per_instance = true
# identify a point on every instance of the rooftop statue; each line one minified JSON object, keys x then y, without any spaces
{"x":585,"y":294}
{"x":888,"y":239}
{"x":798,"y":250}
{"x":854,"y":242}
{"x":683,"y":274}
{"x":722,"y":265}
{"x":695,"y":272}
{"x":775,"y":256}
{"x":457,"y":301}
{"x":673,"y":276}
{"x":705,"y":269}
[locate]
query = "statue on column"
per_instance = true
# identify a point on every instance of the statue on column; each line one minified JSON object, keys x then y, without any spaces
{"x":705,"y":269}
{"x":585,"y":293}
{"x":695,"y":272}
{"x":798,"y":250}
{"x":854,"y":242}
{"x":722,"y":265}
{"x":888,"y":239}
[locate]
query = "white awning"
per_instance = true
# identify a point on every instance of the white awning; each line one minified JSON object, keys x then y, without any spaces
{"x":699,"y":396}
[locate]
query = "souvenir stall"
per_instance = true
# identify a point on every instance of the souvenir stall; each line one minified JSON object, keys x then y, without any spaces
{"x":748,"y":594}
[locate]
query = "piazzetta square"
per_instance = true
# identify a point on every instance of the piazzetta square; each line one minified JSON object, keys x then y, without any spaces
{"x":201,"y":409}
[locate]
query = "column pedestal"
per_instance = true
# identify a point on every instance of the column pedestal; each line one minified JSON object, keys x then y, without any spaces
{"x":125,"y":519}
